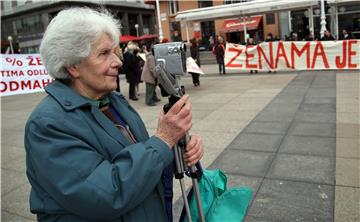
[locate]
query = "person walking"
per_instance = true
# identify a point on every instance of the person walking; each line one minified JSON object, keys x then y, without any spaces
{"x":220,"y":54}
{"x":131,"y":69}
{"x":89,"y":156}
{"x":195,"y":54}
{"x":148,"y":76}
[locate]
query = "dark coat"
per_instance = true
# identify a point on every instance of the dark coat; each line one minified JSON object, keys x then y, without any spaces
{"x":328,"y":38}
{"x":81,"y":168}
{"x":195,"y":54}
{"x":220,"y":53}
{"x":131,"y":67}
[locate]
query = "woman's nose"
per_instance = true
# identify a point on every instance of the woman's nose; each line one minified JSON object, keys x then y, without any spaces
{"x":116,"y":62}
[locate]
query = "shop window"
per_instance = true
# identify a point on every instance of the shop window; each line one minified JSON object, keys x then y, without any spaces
{"x":173,"y":7}
{"x":226,"y":2}
{"x":204,"y":4}
{"x":270,"y":18}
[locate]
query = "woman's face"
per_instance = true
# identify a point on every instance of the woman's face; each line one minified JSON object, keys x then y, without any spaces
{"x":96,"y":75}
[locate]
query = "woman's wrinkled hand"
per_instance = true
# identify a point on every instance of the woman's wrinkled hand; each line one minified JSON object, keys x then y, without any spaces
{"x":194,"y":150}
{"x":176,"y":122}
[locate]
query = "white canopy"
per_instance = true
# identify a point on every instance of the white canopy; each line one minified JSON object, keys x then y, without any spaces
{"x":244,"y":8}
{"x":341,"y":1}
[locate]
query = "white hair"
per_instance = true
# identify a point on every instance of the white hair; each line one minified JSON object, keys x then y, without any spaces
{"x":69,"y":38}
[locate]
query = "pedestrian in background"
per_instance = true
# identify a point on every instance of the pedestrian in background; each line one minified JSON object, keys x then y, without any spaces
{"x":220,"y":54}
{"x":195,"y":54}
{"x":327,"y":36}
{"x":131,"y":69}
{"x":345,"y":35}
{"x":148,"y":76}
{"x":88,"y":154}
{"x":269,"y":38}
{"x":250,"y":41}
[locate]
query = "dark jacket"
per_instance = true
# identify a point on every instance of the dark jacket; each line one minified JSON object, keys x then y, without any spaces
{"x":195,"y":54}
{"x":220,"y":53}
{"x":328,"y":38}
{"x":132,"y":67}
{"x":81,"y":168}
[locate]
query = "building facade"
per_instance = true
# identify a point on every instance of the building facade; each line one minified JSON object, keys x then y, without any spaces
{"x":230,"y":28}
{"x":26,"y":21}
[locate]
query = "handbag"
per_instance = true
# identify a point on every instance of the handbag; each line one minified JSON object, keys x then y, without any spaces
{"x":218,"y":202}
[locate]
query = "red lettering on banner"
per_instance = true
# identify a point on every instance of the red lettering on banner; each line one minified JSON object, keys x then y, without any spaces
{"x":319,"y":51}
{"x":341,"y":64}
{"x":37,"y":72}
{"x":230,"y":63}
{"x":11,"y":73}
{"x":249,"y":56}
{"x":298,"y":52}
{"x":351,"y":53}
{"x":24,"y":85}
{"x":261,"y":52}
{"x":281,"y":54}
{"x":3,"y":86}
{"x":34,"y":61}
{"x":45,"y":82}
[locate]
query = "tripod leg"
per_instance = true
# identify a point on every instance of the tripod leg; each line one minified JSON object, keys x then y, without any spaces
{"x":180,"y":175}
{"x":197,"y":197}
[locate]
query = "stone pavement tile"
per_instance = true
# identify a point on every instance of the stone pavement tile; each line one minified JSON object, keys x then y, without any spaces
{"x":10,"y":153}
{"x":278,"y":107}
{"x":295,"y":90}
{"x":347,"y":204}
{"x":244,"y":106}
{"x":14,"y":119}
{"x":247,"y":163}
{"x":221,"y":114}
{"x":224,"y":126}
{"x":13,"y":138}
{"x":313,"y":169}
{"x":313,"y":129}
{"x":348,"y":117}
{"x":321,"y":92}
{"x":347,"y":106}
{"x":256,"y":142}
{"x":348,"y":172}
{"x":347,"y":130}
{"x":286,"y":100}
{"x":319,"y":83}
{"x":319,"y":100}
{"x":17,"y":202}
{"x":284,"y":201}
{"x":278,"y":116}
{"x":318,"y":117}
{"x":348,"y":147}
{"x":203,"y":107}
{"x":267,"y":127}
{"x":216,"y":140}
{"x":9,"y":217}
{"x":318,"y":107}
{"x":11,"y":180}
{"x":214,"y":97}
{"x":308,"y":145}
{"x":17,"y":165}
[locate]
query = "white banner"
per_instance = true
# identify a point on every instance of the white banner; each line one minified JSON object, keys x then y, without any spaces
{"x":315,"y":55}
{"x":22,"y":73}
{"x":192,"y":66}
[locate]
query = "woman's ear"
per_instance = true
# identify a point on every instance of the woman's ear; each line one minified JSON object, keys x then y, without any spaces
{"x":73,"y":71}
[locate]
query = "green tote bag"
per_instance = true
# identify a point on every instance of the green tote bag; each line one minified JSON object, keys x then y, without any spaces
{"x":218,"y":203}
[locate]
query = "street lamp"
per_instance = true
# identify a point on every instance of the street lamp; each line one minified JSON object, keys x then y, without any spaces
{"x":137,"y":30}
{"x":11,"y":45}
{"x":161,"y":36}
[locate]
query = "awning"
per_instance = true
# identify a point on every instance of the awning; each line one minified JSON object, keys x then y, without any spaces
{"x":255,"y":7}
{"x":234,"y":25}
{"x":127,"y":38}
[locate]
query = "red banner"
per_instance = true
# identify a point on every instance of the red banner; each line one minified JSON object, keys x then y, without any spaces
{"x":315,"y":55}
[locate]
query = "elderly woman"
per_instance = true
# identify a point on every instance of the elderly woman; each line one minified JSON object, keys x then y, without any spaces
{"x":88,"y":154}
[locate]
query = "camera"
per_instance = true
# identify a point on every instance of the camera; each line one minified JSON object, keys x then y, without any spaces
{"x":173,"y":56}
